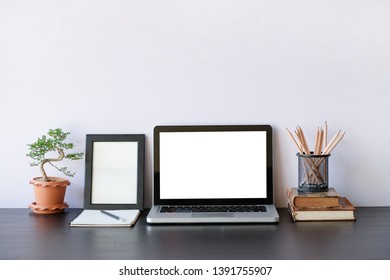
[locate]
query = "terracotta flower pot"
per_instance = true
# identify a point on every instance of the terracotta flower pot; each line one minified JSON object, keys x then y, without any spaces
{"x":49,"y":196}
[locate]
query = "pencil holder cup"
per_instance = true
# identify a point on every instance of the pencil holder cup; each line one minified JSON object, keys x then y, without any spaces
{"x":313,"y":172}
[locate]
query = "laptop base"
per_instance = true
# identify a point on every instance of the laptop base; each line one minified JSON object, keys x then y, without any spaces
{"x":156,"y":217}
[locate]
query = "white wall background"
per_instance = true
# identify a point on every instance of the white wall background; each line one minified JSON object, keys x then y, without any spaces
{"x":125,"y":66}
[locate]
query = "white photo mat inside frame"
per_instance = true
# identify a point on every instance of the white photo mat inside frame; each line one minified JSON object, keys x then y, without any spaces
{"x":114,"y":171}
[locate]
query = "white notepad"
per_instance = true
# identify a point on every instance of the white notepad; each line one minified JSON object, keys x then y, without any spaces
{"x":95,"y":218}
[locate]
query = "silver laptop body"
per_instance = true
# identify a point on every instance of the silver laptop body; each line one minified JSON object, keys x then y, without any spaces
{"x":213,"y":174}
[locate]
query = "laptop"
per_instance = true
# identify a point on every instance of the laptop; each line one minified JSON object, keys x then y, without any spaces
{"x":213,"y":174}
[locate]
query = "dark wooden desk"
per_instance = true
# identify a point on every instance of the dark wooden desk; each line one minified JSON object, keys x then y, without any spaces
{"x":25,"y":235}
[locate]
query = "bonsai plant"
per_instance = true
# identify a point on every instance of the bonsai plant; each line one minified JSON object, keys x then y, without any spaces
{"x":50,"y":191}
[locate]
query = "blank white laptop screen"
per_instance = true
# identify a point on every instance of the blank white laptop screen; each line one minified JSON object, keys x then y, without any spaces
{"x":210,"y":173}
{"x":213,"y":165}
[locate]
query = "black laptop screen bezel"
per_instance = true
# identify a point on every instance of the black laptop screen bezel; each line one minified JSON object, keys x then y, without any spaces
{"x":200,"y":128}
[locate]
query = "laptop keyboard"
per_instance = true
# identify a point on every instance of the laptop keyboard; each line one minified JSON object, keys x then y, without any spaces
{"x":198,"y":209}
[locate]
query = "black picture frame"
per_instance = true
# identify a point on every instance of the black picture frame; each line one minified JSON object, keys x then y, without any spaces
{"x":114,"y":162}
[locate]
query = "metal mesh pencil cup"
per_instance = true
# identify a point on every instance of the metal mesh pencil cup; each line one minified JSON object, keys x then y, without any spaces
{"x":313,"y":172}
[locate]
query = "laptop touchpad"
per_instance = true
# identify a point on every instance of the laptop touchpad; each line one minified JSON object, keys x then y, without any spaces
{"x":208,"y":215}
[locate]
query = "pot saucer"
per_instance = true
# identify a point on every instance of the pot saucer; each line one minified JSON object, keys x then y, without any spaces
{"x":48,"y":209}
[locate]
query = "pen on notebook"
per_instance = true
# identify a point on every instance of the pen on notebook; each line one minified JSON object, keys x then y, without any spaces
{"x":113,"y":216}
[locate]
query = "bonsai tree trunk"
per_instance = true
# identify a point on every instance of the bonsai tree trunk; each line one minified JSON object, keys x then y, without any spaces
{"x":61,"y":157}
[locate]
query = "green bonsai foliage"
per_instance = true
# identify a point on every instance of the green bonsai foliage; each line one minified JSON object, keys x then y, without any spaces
{"x":54,"y":141}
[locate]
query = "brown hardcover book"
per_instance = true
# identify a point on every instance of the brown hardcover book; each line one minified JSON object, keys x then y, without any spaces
{"x":318,"y":199}
{"x":345,"y":212}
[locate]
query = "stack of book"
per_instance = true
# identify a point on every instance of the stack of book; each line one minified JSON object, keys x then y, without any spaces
{"x":321,"y":206}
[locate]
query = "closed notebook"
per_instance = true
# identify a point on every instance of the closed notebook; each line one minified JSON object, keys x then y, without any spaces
{"x":95,"y":218}
{"x":316,"y":199}
{"x":345,"y":211}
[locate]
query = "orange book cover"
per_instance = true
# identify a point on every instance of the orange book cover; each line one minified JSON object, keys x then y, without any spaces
{"x":315,"y":199}
{"x":344,"y":211}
